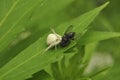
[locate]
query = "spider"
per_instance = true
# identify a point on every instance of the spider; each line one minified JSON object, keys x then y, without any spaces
{"x":53,"y":39}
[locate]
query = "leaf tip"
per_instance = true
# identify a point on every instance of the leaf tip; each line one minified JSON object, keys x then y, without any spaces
{"x":105,"y":4}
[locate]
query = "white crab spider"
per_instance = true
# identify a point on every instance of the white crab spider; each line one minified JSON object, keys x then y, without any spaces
{"x":53,"y":39}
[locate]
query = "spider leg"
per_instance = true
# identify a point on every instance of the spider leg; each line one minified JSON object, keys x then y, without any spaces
{"x":55,"y":33}
{"x":55,"y":47}
{"x":48,"y":48}
{"x":53,"y":30}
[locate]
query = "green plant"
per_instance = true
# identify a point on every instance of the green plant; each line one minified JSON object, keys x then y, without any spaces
{"x":23,"y":57}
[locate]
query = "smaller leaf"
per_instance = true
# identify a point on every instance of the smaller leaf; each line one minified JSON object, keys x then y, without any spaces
{"x":100,"y":71}
{"x":75,"y":68}
{"x":95,"y":36}
{"x":56,"y":71}
{"x":89,"y":50}
{"x":41,"y":75}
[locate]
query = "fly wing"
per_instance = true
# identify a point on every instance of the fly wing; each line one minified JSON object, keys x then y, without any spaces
{"x":69,"y":29}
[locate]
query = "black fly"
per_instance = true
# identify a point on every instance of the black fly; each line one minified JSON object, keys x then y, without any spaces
{"x":67,"y":37}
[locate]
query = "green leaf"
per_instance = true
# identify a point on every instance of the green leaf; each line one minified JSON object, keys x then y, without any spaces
{"x":113,"y":73}
{"x":81,"y":23}
{"x":56,"y":71}
{"x":89,"y":50}
{"x":41,"y":75}
{"x":75,"y":68}
{"x":31,"y":59}
{"x":18,"y":13}
{"x":99,"y":72}
{"x":4,"y":6}
{"x":95,"y":36}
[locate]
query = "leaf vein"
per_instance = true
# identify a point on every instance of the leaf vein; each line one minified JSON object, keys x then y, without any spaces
{"x":42,"y":52}
{"x":8,"y":13}
{"x":16,"y":23}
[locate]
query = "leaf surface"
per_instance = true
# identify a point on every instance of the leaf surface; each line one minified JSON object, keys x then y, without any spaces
{"x":11,"y":23}
{"x":95,"y":36}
